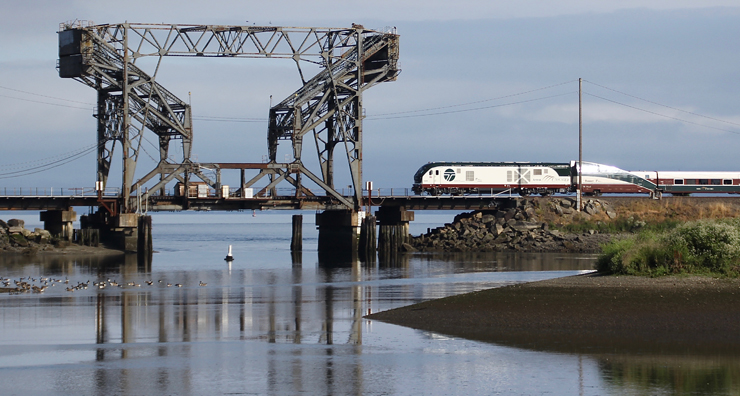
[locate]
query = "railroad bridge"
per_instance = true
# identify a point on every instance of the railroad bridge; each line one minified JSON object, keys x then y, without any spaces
{"x":327,"y":109}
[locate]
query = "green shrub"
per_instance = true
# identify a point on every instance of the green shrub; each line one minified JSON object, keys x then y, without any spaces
{"x":706,"y":246}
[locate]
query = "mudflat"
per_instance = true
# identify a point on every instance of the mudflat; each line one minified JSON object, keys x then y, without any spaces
{"x":590,"y":313}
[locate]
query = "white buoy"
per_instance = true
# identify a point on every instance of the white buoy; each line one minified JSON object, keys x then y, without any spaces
{"x":229,"y":257}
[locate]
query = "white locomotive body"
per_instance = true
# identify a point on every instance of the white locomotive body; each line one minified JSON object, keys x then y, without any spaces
{"x":492,"y":177}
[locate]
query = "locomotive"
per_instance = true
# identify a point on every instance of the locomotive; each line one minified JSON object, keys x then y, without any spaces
{"x":546,"y":178}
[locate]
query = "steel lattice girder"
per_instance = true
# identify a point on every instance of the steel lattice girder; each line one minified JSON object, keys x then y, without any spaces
{"x":329,"y":104}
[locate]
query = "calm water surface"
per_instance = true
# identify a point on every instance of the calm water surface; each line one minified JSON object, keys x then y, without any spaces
{"x":273,"y":323}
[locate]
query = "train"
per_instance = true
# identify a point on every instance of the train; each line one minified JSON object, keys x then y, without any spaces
{"x":547,"y":178}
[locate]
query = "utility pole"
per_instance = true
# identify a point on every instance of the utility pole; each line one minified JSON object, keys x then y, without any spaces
{"x":580,"y":142}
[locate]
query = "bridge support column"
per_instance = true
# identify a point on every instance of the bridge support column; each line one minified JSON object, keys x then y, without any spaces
{"x":130,"y":232}
{"x":296,"y":240}
{"x":59,"y":222}
{"x":125,"y":232}
{"x":394,"y":228}
{"x":339,"y":235}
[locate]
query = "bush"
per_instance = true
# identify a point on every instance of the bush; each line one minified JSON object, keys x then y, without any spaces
{"x":705,"y":246}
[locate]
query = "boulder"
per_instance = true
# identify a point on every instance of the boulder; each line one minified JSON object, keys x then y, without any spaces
{"x":16,"y":223}
{"x":15,"y":230}
{"x":497,"y":229}
{"x":18,"y":240}
{"x":42,"y":235}
{"x":524,"y":226}
{"x":405,"y":247}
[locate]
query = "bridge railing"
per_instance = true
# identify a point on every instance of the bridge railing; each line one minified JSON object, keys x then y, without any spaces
{"x":73,"y":192}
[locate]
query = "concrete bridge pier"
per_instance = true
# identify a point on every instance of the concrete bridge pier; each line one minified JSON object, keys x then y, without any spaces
{"x":394,"y":228}
{"x":339,"y":235}
{"x":129,"y":232}
{"x":59,"y":222}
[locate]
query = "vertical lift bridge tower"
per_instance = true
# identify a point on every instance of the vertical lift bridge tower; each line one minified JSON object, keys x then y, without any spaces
{"x":130,"y":101}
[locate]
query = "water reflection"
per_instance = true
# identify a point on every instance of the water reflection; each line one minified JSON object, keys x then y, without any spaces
{"x":672,"y":374}
{"x":297,"y":327}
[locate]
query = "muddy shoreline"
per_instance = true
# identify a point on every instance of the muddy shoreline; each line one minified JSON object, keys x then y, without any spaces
{"x":69,"y":250}
{"x":590,"y":313}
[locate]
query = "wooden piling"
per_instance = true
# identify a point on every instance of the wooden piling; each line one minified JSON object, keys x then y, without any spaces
{"x":296,"y":241}
{"x":368,"y":242}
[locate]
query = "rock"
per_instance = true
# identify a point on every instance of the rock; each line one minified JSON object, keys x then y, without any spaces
{"x":3,"y":224}
{"x":524,"y":226}
{"x":590,"y":209}
{"x":18,"y":240}
{"x":612,"y":214}
{"x":509,"y":214}
{"x":405,"y":247}
{"x":529,"y":213}
{"x":15,"y":230}
{"x":487,"y":219}
{"x":42,"y":236}
{"x":16,"y":223}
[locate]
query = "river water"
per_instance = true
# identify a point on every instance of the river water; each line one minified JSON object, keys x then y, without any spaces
{"x":276,"y":323}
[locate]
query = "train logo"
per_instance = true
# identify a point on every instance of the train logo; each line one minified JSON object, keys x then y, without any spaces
{"x":449,"y":175}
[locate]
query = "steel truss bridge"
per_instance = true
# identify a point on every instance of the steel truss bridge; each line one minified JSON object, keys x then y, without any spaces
{"x":130,"y":103}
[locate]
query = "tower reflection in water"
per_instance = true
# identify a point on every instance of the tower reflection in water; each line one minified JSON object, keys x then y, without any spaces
{"x":282,"y":328}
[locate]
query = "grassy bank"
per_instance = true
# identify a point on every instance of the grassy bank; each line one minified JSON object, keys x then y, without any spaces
{"x":634,"y":215}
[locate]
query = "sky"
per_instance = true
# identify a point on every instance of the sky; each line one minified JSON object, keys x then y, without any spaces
{"x":480,"y":81}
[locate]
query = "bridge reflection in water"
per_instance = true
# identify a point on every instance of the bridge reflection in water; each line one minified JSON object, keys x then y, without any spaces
{"x":281,"y":330}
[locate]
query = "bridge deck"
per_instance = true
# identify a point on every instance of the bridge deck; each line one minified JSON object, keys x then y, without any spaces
{"x":32,"y":201}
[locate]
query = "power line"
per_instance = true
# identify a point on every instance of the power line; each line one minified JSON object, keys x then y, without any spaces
{"x":662,"y":105}
{"x":661,"y":115}
{"x":475,"y":102}
{"x":47,"y":103}
{"x":46,"y":96}
{"x":46,"y":167}
{"x":372,"y":118}
{"x":65,"y":155}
